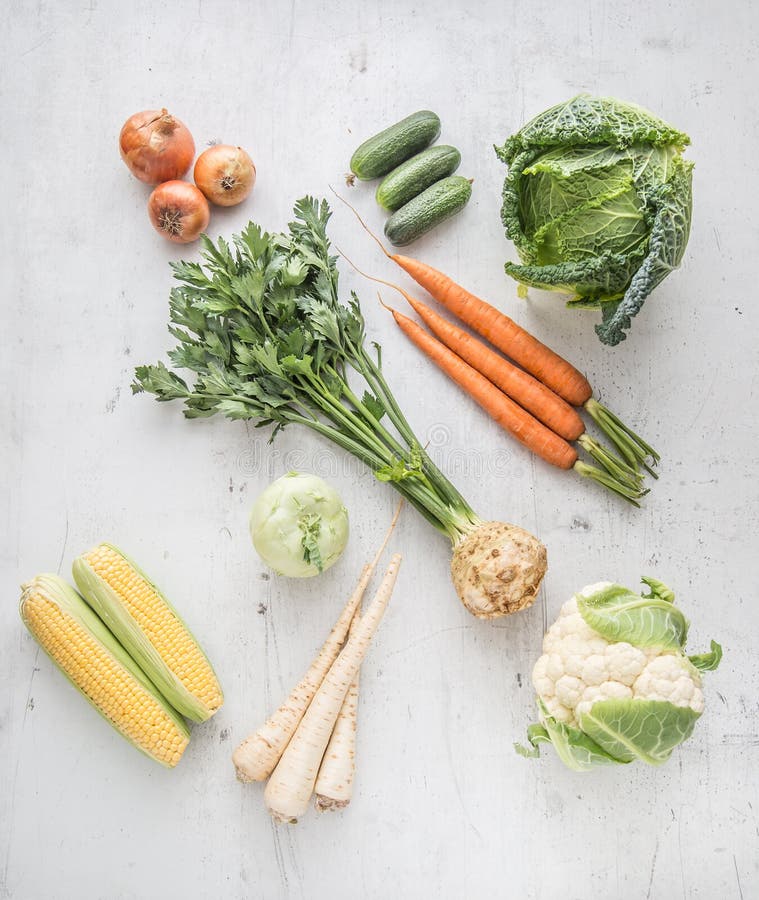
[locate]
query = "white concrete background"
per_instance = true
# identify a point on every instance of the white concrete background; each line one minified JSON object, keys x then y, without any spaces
{"x":443,"y":807}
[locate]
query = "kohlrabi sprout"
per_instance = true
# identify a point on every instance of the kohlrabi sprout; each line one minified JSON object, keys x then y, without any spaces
{"x":299,"y":525}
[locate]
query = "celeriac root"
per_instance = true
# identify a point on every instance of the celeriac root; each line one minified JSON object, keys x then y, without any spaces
{"x":291,"y":785}
{"x":497,"y":569}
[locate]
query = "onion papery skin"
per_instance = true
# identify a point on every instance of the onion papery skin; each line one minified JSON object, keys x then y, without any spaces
{"x":156,"y":146}
{"x":225,"y":174}
{"x":178,"y":211}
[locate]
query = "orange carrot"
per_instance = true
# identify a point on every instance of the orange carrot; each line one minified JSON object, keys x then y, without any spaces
{"x":508,"y":414}
{"x":552,"y":370}
{"x":615,"y":474}
{"x":502,"y":332}
{"x":527,"y":391}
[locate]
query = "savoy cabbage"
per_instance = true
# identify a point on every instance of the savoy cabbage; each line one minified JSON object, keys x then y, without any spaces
{"x":597,"y":200}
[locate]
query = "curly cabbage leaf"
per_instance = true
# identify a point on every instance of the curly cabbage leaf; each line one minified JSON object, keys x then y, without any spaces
{"x":597,"y":201}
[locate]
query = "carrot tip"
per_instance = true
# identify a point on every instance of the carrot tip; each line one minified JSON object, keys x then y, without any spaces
{"x":385,"y":305}
{"x":363,"y":224}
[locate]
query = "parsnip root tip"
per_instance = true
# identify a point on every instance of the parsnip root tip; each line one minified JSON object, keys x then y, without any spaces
{"x":327,"y":804}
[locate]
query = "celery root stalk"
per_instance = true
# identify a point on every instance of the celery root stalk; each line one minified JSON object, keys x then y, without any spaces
{"x":255,"y":758}
{"x":334,"y":783}
{"x":291,"y":785}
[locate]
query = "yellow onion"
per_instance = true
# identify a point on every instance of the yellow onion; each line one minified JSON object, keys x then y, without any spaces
{"x":178,"y":211}
{"x":156,"y":146}
{"x":225,"y":174}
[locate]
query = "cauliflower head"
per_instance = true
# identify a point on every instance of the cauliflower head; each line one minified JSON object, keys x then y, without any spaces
{"x":613,"y":683}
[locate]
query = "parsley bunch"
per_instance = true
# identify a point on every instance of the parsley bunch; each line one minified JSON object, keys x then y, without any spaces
{"x":260,"y":325}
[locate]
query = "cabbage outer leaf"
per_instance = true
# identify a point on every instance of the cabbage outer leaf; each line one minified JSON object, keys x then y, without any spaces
{"x":591,"y":280}
{"x":672,"y":202}
{"x":617,"y":614}
{"x":648,"y":730}
{"x":591,"y":120}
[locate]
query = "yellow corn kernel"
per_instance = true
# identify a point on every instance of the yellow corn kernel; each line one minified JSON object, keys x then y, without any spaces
{"x":151,"y":630}
{"x":83,"y":649}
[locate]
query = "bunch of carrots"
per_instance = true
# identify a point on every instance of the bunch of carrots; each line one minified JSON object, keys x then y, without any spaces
{"x":533,"y":394}
{"x":307,"y":747}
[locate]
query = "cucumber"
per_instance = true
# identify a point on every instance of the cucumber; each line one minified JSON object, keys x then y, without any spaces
{"x":439,"y":202}
{"x":395,"y":145}
{"x":416,"y":175}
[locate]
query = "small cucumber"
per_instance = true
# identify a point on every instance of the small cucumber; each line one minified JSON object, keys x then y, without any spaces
{"x":395,"y":145}
{"x":416,"y":175}
{"x":439,"y":202}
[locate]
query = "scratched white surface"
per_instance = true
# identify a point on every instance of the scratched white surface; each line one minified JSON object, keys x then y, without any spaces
{"x":443,"y":806}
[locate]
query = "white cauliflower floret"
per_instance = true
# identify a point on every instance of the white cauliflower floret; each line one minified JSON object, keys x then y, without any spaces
{"x":579,"y":668}
{"x":569,"y":690}
{"x":544,"y":684}
{"x":609,"y":690}
{"x":626,"y":661}
{"x":568,"y":642}
{"x":554,"y":666}
{"x":558,"y":711}
{"x":671,"y":677}
{"x":574,"y":650}
{"x":595,"y":669}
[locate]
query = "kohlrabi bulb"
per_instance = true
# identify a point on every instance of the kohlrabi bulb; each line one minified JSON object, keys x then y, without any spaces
{"x":299,"y":525}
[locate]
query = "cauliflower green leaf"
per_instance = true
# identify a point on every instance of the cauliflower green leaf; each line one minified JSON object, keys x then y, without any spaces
{"x":648,"y":730}
{"x":574,"y":748}
{"x":707,"y":662}
{"x":618,"y":614}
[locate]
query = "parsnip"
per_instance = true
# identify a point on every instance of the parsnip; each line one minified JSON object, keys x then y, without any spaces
{"x":291,"y":785}
{"x":334,"y":783}
{"x":255,"y":758}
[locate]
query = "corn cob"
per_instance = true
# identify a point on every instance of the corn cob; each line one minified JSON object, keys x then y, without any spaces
{"x":146,"y":623}
{"x":99,"y":667}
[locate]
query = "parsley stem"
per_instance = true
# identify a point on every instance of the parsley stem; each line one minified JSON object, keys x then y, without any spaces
{"x":341,"y":414}
{"x":260,"y":323}
{"x":373,"y":375}
{"x":374,"y":422}
{"x":435,"y":512}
